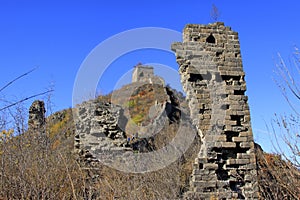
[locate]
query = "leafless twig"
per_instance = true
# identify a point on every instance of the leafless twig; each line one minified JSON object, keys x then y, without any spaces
{"x":19,"y":77}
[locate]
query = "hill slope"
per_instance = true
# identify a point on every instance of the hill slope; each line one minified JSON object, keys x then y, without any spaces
{"x":42,"y":165}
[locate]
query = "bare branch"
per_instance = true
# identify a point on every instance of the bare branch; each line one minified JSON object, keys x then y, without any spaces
{"x":14,"y":80}
{"x":25,"y":99}
{"x":283,"y":166}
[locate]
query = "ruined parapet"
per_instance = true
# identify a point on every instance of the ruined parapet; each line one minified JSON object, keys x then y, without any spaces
{"x":36,"y":115}
{"x":99,"y":127}
{"x":145,"y":74}
{"x":212,"y":75}
{"x":101,"y":138}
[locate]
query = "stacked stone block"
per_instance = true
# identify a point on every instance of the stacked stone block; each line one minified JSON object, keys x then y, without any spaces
{"x":212,"y":76}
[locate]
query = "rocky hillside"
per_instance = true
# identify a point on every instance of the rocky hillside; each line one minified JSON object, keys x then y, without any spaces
{"x":145,"y":107}
{"x":41,"y":163}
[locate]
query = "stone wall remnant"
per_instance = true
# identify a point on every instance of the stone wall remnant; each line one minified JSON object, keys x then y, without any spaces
{"x":145,"y":73}
{"x":36,"y":115}
{"x":212,"y":76}
{"x":210,"y":66}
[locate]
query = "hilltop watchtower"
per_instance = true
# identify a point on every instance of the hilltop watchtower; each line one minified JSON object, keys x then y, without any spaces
{"x":145,"y":74}
{"x":210,"y":66}
{"x":142,"y":73}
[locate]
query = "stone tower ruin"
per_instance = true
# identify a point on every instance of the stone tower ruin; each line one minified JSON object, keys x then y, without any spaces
{"x":145,"y":74}
{"x":212,"y":76}
{"x":142,"y":73}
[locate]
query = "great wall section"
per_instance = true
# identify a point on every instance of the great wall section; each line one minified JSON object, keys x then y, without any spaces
{"x":212,"y":76}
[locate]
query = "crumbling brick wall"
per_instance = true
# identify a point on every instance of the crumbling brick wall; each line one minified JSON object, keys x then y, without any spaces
{"x":212,"y":75}
{"x":36,"y":120}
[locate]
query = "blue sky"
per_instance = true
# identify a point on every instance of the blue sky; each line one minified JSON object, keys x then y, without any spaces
{"x":56,"y":37}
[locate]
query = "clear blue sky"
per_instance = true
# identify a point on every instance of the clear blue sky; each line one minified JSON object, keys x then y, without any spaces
{"x":56,"y":36}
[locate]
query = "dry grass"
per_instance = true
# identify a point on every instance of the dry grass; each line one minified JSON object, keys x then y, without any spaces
{"x":41,"y":165}
{"x":277,"y":178}
{"x":32,"y":169}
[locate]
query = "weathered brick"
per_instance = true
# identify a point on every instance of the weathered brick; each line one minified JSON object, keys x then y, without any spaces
{"x":239,"y":139}
{"x":217,"y":51}
{"x":228,"y":144}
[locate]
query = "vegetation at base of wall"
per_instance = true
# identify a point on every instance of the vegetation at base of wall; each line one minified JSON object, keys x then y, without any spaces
{"x":42,"y":165}
{"x":32,"y":169}
{"x":138,"y":118}
{"x":60,"y":123}
{"x":282,"y":177}
{"x":277,"y":178}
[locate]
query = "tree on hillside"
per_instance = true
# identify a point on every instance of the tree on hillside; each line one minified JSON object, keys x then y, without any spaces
{"x":35,"y":165}
{"x":288,"y":80}
{"x":280,"y":172}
